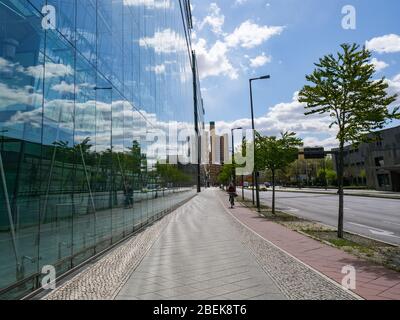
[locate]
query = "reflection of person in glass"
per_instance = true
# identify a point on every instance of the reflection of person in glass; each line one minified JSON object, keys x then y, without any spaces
{"x":128,"y":196}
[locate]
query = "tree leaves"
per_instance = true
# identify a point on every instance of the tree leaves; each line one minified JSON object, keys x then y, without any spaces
{"x":343,"y":87}
{"x":274,"y":153}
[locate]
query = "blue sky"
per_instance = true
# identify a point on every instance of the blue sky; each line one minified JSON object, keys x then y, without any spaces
{"x":239,"y":39}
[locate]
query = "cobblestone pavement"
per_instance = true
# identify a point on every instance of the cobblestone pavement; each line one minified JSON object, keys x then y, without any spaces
{"x":104,"y":278}
{"x":204,"y":253}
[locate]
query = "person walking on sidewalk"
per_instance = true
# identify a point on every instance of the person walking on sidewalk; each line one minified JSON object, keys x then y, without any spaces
{"x":232,"y":194}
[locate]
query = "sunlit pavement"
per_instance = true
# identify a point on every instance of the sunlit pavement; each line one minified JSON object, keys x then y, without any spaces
{"x":204,"y":253}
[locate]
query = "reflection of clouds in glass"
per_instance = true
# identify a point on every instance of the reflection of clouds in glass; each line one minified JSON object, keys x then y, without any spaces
{"x":151,"y":4}
{"x":33,"y":117}
{"x":92,"y":119}
{"x":7,"y":66}
{"x":64,"y":87}
{"x":185,"y":74}
{"x":17,"y":96}
{"x":158,"y":69}
{"x":52,"y":70}
{"x":166,"y":41}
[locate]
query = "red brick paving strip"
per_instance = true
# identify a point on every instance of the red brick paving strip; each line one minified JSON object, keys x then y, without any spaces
{"x":374,"y":282}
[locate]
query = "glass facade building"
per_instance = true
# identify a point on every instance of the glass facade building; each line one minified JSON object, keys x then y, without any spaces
{"x":83,"y":85}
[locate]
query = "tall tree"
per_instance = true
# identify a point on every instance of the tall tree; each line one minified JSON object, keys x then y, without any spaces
{"x":343,"y":88}
{"x":276,"y":154}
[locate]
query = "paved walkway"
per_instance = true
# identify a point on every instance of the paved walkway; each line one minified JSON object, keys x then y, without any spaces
{"x":204,"y":253}
{"x":373,"y":282}
{"x":199,"y":256}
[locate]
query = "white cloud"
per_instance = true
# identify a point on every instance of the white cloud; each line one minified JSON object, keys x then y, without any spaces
{"x":386,"y":44}
{"x":214,"y":61}
{"x":215,"y":19}
{"x":289,"y":116}
{"x":394,"y":88}
{"x":379,"y":65}
{"x":249,"y":35}
{"x":260,"y":61}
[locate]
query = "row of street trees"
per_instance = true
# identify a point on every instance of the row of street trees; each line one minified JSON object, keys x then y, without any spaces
{"x":342,"y":87}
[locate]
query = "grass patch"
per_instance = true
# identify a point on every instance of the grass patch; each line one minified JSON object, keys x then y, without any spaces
{"x":365,"y":248}
{"x":343,"y":243}
{"x":266,"y":212}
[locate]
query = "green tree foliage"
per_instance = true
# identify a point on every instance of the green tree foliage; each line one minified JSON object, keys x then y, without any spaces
{"x":327,"y":175}
{"x":275,"y":154}
{"x":343,"y":88}
{"x":171,"y":173}
{"x":226,"y":175}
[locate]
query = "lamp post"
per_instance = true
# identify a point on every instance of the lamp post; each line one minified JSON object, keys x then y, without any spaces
{"x":233,"y":154}
{"x":255,"y":174}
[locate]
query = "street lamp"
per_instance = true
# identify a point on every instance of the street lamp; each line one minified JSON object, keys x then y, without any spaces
{"x":255,"y":174}
{"x":233,"y":153}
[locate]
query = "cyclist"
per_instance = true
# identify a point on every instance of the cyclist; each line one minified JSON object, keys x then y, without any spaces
{"x":232,"y":194}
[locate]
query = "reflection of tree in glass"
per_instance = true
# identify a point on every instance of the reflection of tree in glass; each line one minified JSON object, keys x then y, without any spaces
{"x":171,"y":174}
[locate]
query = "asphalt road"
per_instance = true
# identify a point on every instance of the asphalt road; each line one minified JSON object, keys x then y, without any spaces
{"x":373,"y":217}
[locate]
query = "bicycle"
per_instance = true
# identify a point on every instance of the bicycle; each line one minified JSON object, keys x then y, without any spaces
{"x":232,"y":200}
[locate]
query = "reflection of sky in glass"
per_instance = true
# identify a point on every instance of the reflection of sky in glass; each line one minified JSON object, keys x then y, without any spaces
{"x":79,"y":106}
{"x":146,"y":67}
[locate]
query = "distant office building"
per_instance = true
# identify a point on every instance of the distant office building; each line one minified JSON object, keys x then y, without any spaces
{"x":219,"y":154}
{"x":224,"y":149}
{"x":375,"y":164}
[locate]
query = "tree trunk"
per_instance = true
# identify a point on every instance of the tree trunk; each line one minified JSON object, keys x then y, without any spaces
{"x":273,"y":191}
{"x":341,"y":189}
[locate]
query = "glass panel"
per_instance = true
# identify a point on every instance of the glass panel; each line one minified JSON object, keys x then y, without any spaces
{"x":21,"y":101}
{"x":57,"y":153}
{"x":77,"y":102}
{"x":119,"y":182}
{"x":84,"y":202}
{"x":102,"y":187}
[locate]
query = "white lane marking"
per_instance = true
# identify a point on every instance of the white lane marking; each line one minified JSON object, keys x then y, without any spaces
{"x":288,"y":209}
{"x":376,"y":231}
